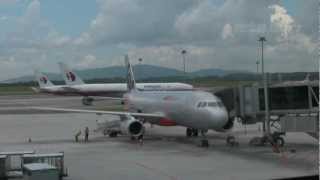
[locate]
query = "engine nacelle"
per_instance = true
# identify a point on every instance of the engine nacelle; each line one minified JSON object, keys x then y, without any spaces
{"x":87,"y":101}
{"x":132,"y":127}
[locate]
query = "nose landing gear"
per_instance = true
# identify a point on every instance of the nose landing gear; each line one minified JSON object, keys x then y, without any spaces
{"x":204,"y":141}
{"x":195,"y":132}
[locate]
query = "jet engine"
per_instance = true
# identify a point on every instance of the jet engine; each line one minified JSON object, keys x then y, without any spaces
{"x":87,"y":101}
{"x":132,"y":127}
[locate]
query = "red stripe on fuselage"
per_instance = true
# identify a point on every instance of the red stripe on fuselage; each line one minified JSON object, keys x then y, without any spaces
{"x":167,"y":122}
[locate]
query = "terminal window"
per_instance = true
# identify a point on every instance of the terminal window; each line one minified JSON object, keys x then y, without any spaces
{"x":282,"y":98}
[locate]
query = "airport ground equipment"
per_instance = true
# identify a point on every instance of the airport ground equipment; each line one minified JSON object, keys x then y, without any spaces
{"x":13,"y":165}
{"x":14,"y":162}
{"x":294,"y":106}
{"x":40,"y":171}
{"x":54,"y":159}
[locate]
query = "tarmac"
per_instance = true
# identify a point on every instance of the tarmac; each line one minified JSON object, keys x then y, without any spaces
{"x":165,"y":154}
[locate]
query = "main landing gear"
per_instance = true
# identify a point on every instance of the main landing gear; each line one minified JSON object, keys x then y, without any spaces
{"x":191,"y":132}
{"x":113,"y":134}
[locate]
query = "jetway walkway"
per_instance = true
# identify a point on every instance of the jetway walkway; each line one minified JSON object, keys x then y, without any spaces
{"x":294,"y":106}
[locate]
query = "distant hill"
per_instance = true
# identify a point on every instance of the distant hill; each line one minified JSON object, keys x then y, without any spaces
{"x":141,"y":72}
{"x":151,"y":72}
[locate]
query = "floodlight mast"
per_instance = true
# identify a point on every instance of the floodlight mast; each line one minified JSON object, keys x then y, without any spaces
{"x":266,"y":124}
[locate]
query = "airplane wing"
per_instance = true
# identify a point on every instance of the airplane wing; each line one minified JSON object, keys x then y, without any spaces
{"x":152,"y":118}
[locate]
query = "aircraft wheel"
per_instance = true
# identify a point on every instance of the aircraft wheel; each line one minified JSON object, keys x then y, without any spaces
{"x":279,"y":141}
{"x":195,"y":132}
{"x":113,"y":134}
{"x":189,"y":132}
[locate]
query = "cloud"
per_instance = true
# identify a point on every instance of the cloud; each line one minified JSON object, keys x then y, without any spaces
{"x":88,"y":61}
{"x":9,"y":2}
{"x":215,"y":34}
{"x":139,"y":22}
{"x":3,"y":18}
{"x":227,"y":31}
{"x":281,"y":20}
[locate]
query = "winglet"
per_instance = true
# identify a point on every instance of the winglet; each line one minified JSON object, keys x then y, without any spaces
{"x":69,"y":76}
{"x":131,"y":83}
{"x":42,"y":79}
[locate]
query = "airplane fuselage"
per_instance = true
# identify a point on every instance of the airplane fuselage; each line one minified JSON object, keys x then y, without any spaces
{"x":118,"y":89}
{"x":180,"y":108}
{"x":57,"y":90}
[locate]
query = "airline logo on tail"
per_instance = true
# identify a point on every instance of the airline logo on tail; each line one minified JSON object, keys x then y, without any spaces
{"x":44,"y":80}
{"x":70,"y":76}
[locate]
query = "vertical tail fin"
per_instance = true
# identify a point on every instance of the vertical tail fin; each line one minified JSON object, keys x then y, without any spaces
{"x":42,"y":79}
{"x":69,"y":76}
{"x":131,"y":83}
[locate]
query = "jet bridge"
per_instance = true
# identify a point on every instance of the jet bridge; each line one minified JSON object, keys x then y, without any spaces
{"x":294,"y":105}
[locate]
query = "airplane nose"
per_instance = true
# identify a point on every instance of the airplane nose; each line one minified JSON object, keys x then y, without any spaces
{"x":219,"y":117}
{"x":223,"y":116}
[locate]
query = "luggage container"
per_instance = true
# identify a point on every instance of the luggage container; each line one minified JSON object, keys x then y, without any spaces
{"x":40,"y":171}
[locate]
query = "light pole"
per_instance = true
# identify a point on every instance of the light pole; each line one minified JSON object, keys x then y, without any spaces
{"x":184,"y":52}
{"x":266,"y":124}
{"x":257,"y":63}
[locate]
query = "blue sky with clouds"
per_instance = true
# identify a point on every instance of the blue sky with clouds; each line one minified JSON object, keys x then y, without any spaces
{"x":216,"y":33}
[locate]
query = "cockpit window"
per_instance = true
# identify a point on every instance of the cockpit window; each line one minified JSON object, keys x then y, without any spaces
{"x":202,"y":104}
{"x":212,"y":104}
{"x":220,"y":104}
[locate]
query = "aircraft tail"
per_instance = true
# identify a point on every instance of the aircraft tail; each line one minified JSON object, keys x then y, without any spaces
{"x":69,"y":76}
{"x":42,"y":79}
{"x":131,"y":83}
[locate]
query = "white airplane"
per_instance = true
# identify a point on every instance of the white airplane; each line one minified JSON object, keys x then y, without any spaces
{"x":193,"y":109}
{"x":46,"y":86}
{"x":76,"y":84}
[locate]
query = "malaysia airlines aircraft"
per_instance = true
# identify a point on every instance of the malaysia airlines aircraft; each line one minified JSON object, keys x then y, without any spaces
{"x":76,"y":84}
{"x":193,"y":109}
{"x":46,"y":86}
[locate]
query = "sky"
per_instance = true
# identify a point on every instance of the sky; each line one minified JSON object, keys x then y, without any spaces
{"x":215,"y":33}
